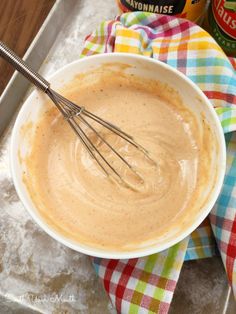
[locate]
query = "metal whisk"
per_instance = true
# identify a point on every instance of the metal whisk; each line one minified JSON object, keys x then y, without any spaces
{"x":76,"y":117}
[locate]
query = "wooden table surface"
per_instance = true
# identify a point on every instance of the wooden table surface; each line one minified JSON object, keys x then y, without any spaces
{"x":20,"y":21}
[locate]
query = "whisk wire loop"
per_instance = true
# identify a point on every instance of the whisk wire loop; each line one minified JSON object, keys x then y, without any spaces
{"x":71,"y":112}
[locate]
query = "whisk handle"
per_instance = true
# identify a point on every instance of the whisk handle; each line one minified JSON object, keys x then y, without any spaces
{"x":7,"y":54}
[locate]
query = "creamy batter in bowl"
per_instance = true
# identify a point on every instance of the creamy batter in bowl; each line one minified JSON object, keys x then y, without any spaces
{"x":166,"y":113}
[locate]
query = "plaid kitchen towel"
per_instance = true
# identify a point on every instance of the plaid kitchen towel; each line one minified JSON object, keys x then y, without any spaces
{"x":201,"y":242}
{"x":146,"y":285}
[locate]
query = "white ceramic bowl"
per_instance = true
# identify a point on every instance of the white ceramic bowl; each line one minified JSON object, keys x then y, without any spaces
{"x":141,"y":66}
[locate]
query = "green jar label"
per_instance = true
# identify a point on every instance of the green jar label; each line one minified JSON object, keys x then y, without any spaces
{"x":225,"y":41}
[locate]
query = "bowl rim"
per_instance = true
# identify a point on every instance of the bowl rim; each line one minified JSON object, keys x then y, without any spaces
{"x":86,"y":249}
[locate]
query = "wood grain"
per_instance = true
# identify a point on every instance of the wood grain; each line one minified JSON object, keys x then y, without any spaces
{"x":20,"y":21}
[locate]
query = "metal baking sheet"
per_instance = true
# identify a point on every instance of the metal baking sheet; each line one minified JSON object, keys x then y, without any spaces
{"x":37,"y":274}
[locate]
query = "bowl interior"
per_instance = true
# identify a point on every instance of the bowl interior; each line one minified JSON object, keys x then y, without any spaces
{"x":143,"y":67}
